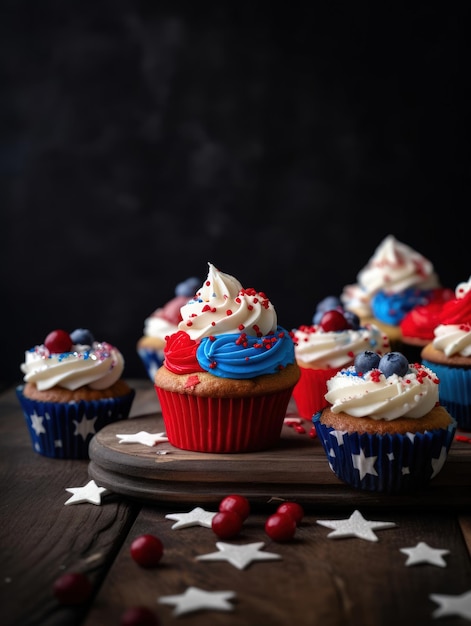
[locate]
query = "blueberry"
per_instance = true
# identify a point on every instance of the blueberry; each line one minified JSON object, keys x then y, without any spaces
{"x":328,"y":303}
{"x":366,"y":361}
{"x":394,"y":363}
{"x":352,"y":319}
{"x":188,"y":287}
{"x":82,"y":336}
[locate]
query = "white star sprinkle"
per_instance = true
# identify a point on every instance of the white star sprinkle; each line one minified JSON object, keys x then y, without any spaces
{"x":452,"y":605}
{"x":89,"y":493}
{"x":437,"y":464}
{"x":365,"y":465}
{"x":355,"y":526}
{"x":239,"y":556}
{"x":423,"y":553}
{"x":194,"y":599}
{"x":147,"y":439}
{"x":85,"y":427}
{"x":196,"y":517}
{"x":37,"y":423}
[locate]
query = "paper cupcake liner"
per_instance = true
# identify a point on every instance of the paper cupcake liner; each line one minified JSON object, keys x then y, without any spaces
{"x":454,"y":391}
{"x":152,"y":360}
{"x":64,"y":430}
{"x":223,"y":425}
{"x":385,"y":463}
{"x":309,"y":392}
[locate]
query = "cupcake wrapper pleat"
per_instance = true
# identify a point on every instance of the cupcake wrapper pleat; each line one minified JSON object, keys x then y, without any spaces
{"x":454,"y":391}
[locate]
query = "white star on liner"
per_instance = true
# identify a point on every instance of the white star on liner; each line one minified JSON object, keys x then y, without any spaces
{"x":194,"y":599}
{"x":37,"y":423}
{"x":452,"y":605}
{"x":364,"y":464}
{"x":437,"y":464}
{"x":423,"y":553}
{"x":147,"y":439}
{"x":196,"y":517}
{"x":85,"y":427}
{"x":338,"y":434}
{"x":355,"y":526}
{"x":89,"y":493}
{"x":239,"y":556}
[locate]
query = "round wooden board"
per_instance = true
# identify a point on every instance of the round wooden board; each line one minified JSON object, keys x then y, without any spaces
{"x":296,"y":469}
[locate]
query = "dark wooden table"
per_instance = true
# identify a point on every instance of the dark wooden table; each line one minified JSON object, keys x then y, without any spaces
{"x":318,"y":580}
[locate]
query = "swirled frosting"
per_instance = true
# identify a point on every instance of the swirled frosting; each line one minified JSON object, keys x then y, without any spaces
{"x":321,"y":349}
{"x":452,"y":335}
{"x":164,"y":320}
{"x":228,"y":331}
{"x":421,"y":321}
{"x":379,"y":397}
{"x":99,"y":366}
{"x":223,"y":306}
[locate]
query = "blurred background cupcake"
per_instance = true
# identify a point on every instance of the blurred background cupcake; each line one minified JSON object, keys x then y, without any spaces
{"x":383,"y":429}
{"x":326,"y":346}
{"x":229,"y":370}
{"x":449,"y":354}
{"x":161,"y":323}
{"x":73,"y":387}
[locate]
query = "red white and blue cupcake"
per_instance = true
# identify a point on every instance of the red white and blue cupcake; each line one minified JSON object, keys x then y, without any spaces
{"x":73,"y":387}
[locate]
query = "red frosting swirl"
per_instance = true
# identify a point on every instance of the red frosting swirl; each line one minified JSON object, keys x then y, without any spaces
{"x":421,"y":321}
{"x":180,"y":354}
{"x":457,"y":311}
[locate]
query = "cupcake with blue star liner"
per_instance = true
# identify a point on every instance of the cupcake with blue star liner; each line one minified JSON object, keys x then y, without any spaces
{"x":162,"y":323}
{"x":73,"y":387}
{"x":229,"y":371}
{"x":384,"y":429}
{"x":449,"y":354}
{"x":326,"y":346}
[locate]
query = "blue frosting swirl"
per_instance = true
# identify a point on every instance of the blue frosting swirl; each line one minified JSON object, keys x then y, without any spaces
{"x":391,"y":308}
{"x":242,"y":356}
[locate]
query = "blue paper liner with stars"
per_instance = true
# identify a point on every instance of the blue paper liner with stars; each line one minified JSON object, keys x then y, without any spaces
{"x":387,"y":463}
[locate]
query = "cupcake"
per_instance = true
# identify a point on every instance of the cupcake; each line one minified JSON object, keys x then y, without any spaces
{"x":161,"y":323}
{"x":72,"y":389}
{"x":383,"y":428}
{"x":449,"y":355}
{"x":325,"y":347}
{"x":229,"y":371}
{"x":395,"y":280}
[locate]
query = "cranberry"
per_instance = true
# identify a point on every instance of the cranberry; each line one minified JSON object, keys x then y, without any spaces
{"x":139,"y":616}
{"x":226,"y":524}
{"x":236,"y":503}
{"x":147,"y":550}
{"x":292,"y":508}
{"x":334,"y":320}
{"x":58,"y":341}
{"x":72,"y":588}
{"x":280,"y":527}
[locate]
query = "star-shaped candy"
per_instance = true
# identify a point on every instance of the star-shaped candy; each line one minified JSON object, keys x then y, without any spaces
{"x":423,"y":553}
{"x":355,"y":526}
{"x":194,"y":599}
{"x":452,"y":605}
{"x":147,"y":439}
{"x":196,"y":517}
{"x":89,"y":493}
{"x":239,"y":556}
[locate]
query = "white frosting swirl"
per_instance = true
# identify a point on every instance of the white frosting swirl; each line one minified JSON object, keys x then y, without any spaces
{"x":158,"y":327}
{"x":99,"y":366}
{"x":373,"y":395}
{"x":453,"y":339}
{"x":223,"y":306}
{"x":321,"y":349}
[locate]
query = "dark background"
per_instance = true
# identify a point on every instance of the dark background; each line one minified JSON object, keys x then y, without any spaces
{"x":140,"y":140}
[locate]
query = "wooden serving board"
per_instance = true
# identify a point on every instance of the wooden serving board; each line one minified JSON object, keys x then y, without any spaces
{"x":297,"y":469}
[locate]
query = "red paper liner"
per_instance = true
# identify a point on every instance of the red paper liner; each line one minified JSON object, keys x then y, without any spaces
{"x":309,"y":392}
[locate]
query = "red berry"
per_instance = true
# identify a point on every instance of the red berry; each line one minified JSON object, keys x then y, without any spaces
{"x":139,"y":616}
{"x":280,"y":527}
{"x":58,"y":341}
{"x":226,"y":524}
{"x":72,"y":588}
{"x":334,"y":320}
{"x":147,"y":550}
{"x":236,"y":503}
{"x":292,"y":508}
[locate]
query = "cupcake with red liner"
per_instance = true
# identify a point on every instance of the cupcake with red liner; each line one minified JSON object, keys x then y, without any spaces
{"x":229,"y":371}
{"x":449,"y":354}
{"x":384,"y":428}
{"x":325,"y":347}
{"x":162,"y":323}
{"x":73,"y":387}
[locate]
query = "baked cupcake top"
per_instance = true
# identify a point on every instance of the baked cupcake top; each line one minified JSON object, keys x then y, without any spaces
{"x":335,"y":337}
{"x":452,"y":335}
{"x":394,"y":268}
{"x":228,"y":331}
{"x":383,"y":388}
{"x":71,"y":361}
